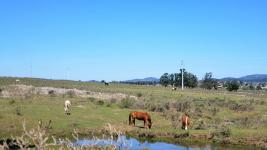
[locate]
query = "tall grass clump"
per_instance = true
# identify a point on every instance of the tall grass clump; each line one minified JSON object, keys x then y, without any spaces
{"x":127,"y":103}
{"x":39,"y":139}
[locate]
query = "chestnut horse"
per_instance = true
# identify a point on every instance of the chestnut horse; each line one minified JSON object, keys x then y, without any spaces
{"x":140,"y":116}
{"x":185,"y":122}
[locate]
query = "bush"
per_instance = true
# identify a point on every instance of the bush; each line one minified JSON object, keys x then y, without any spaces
{"x":182,"y":106}
{"x":167,"y":106}
{"x":175,"y":120}
{"x":245,"y":122}
{"x":91,"y":99}
{"x":11,"y":102}
{"x":258,"y":87}
{"x":222,"y":131}
{"x":52,"y":93}
{"x":139,"y":105}
{"x":100,"y":102}
{"x":18,"y":111}
{"x":126,"y":103}
{"x":113,"y":100}
{"x":160,"y":108}
{"x":108,"y":104}
{"x":232,"y":85}
{"x":139,"y":94}
{"x":214,"y":111}
{"x":201,"y":125}
{"x":240,"y":107}
{"x":151,"y":107}
{"x":70,"y":94}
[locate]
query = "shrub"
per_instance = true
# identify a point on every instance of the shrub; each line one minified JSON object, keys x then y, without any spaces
{"x":167,"y":106}
{"x":240,"y":107}
{"x":71,"y":94}
{"x":248,"y":121}
{"x":201,"y":125}
{"x":91,"y":99}
{"x":126,"y":103}
{"x":18,"y":111}
{"x":232,"y":85}
{"x":198,"y":112}
{"x":183,"y":106}
{"x":52,"y":93}
{"x":151,"y":107}
{"x":139,"y":94}
{"x":258,"y":87}
{"x":109,"y":104}
{"x":175,"y":120}
{"x":113,"y":100}
{"x":214,"y":111}
{"x":160,"y":108}
{"x":139,"y":105}
{"x":222,"y":131}
{"x":100,"y":102}
{"x":11,"y":102}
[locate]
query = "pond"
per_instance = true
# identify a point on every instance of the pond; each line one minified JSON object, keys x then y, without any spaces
{"x":124,"y":143}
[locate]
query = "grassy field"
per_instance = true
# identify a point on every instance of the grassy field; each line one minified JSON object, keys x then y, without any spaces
{"x":235,"y":115}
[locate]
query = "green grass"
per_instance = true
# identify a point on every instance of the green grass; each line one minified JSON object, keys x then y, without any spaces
{"x":86,"y":114}
{"x":83,"y":115}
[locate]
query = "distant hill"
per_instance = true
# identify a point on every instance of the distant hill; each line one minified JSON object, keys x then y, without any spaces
{"x":249,"y":78}
{"x":148,"y":79}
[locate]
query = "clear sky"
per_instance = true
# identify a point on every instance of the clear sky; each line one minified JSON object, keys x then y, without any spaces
{"x":118,"y":40}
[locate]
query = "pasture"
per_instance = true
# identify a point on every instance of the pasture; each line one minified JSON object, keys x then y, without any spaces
{"x":218,"y":116}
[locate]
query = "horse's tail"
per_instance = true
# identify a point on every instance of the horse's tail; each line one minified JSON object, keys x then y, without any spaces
{"x":130,"y":118}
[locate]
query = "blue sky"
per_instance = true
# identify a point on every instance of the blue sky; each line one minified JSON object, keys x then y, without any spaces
{"x":119,"y":40}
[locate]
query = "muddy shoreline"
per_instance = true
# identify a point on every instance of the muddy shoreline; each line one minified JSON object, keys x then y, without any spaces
{"x":187,"y":139}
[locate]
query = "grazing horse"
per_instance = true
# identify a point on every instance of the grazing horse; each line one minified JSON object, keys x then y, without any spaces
{"x":174,"y":89}
{"x":106,"y":84}
{"x":140,"y":116}
{"x":67,"y":107}
{"x":185,"y":121}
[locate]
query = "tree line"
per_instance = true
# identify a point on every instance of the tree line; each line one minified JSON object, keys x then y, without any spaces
{"x":175,"y":79}
{"x":191,"y":81}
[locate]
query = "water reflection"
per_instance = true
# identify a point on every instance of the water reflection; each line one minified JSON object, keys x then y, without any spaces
{"x":133,"y":144}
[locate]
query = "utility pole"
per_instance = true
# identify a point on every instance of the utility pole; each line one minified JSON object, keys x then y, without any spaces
{"x":182,"y":66}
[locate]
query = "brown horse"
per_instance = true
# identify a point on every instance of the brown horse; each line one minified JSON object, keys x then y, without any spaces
{"x":185,"y":121}
{"x":140,"y":116}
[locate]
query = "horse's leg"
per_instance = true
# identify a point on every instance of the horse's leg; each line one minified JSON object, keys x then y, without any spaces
{"x":145,"y":123}
{"x":186,"y":123}
{"x":134,"y":122}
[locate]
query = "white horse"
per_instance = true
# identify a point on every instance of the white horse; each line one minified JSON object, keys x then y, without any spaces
{"x":67,"y":107}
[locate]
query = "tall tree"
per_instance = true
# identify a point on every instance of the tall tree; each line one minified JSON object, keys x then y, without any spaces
{"x":164,"y":79}
{"x":171,"y":79}
{"x":175,"y":79}
{"x":190,"y":80}
{"x":209,"y":82}
{"x":232,"y":85}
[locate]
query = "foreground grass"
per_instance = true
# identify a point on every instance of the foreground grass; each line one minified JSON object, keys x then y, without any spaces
{"x":84,"y":114}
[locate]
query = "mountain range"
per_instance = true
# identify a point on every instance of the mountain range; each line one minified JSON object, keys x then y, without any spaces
{"x":148,"y":79}
{"x":249,"y":78}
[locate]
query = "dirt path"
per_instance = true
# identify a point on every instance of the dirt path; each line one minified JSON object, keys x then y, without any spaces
{"x":25,"y":90}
